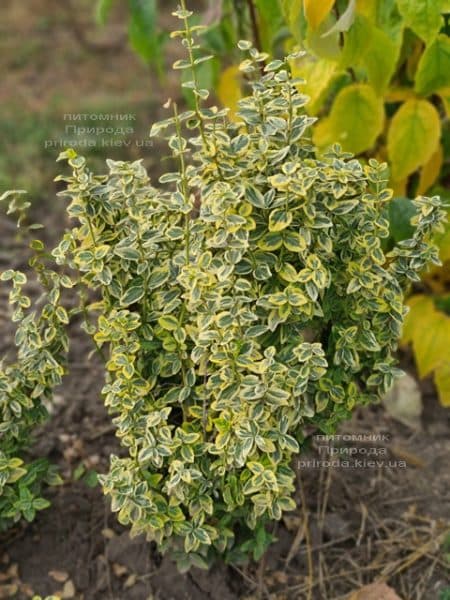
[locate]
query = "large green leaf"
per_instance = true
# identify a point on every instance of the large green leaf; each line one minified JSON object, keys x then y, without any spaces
{"x":142,"y":30}
{"x":270,"y":22}
{"x":383,"y":14}
{"x":294,"y":15}
{"x":433,"y":71}
{"x":380,"y":59}
{"x":400,"y":211}
{"x":356,"y":119}
{"x":413,"y":137}
{"x":356,"y":42}
{"x":422,"y":16}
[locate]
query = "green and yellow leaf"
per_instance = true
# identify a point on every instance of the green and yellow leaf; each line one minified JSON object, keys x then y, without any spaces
{"x":422,"y":16}
{"x":356,"y":120}
{"x":229,"y":89}
{"x":322,"y":42}
{"x":380,"y":59}
{"x":430,"y":171}
{"x":316,"y":11}
{"x":429,"y":331}
{"x":442,"y":379}
{"x":318,"y":76}
{"x":356,"y":42}
{"x":413,"y":137}
{"x":433,"y":71}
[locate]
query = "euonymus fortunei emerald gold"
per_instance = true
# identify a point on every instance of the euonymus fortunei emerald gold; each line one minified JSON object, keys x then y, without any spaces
{"x":246,"y":298}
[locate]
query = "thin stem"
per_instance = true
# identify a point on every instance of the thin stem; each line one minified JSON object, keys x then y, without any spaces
{"x":184,"y":187}
{"x":255,"y":26}
{"x":142,"y":252}
{"x":84,"y":310}
{"x":190,"y":50}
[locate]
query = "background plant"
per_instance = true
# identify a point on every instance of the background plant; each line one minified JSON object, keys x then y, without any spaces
{"x":378,"y":73}
{"x":26,"y":385}
{"x":224,"y":333}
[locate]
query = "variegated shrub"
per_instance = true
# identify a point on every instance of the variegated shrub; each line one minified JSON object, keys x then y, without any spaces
{"x":245,"y":300}
{"x":26,"y":388}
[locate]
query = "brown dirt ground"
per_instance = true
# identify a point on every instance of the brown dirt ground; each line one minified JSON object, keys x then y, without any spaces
{"x":352,"y":527}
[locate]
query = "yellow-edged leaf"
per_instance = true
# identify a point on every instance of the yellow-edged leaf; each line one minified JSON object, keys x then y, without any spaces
{"x":430,"y":171}
{"x":413,"y":137}
{"x":356,"y":119}
{"x":229,"y":89}
{"x":316,"y":11}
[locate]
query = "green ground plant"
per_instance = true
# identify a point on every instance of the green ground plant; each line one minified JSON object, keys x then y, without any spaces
{"x":244,"y":300}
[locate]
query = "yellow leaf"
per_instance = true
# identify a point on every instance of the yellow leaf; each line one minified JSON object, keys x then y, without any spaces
{"x":413,"y":137}
{"x":430,"y":171}
{"x":229,"y":89}
{"x":356,"y":119}
{"x":442,"y":239}
{"x":418,"y":304}
{"x":318,"y":75}
{"x":316,"y":11}
{"x":399,"y":187}
{"x":442,"y":379}
{"x":429,"y":330}
{"x":323,"y":133}
{"x":368,"y":8}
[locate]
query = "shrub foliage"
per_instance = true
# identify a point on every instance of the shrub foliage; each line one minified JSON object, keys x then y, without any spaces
{"x":246,"y":298}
